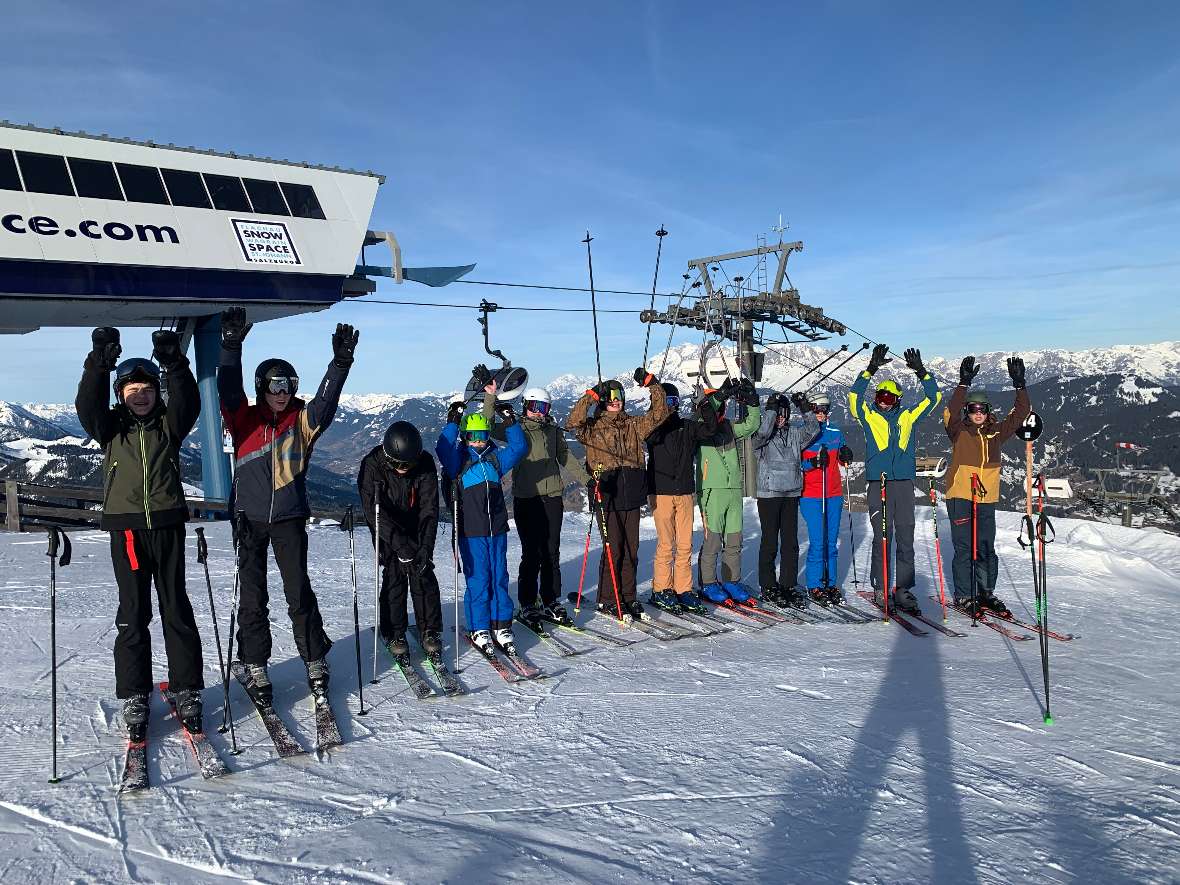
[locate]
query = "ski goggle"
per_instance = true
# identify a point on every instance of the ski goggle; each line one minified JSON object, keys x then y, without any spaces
{"x":614,"y":395}
{"x":887,"y":399}
{"x":475,"y":435}
{"x":978,"y":408}
{"x":673,"y":402}
{"x":536,"y":405}
{"x":399,"y":465}
{"x":282,"y":384}
{"x":820,"y":408}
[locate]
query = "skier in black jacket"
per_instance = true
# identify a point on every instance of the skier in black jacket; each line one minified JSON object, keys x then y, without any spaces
{"x":404,"y":479}
{"x":144,"y":510}
{"x":671,"y":482}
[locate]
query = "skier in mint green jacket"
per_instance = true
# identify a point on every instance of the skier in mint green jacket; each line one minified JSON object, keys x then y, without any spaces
{"x":719,"y":483}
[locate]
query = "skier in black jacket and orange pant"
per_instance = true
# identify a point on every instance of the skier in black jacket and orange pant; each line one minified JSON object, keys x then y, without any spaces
{"x":403,"y":478}
{"x":273,"y":441}
{"x":144,"y":509}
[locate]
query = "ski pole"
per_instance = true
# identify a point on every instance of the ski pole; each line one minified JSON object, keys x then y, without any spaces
{"x":57,"y":540}
{"x":349,"y":525}
{"x":851,"y":536}
{"x":203,"y":559}
{"x":660,"y":234}
{"x":1045,"y":536}
{"x":458,"y":562}
{"x":376,"y":575}
{"x":884,"y":548}
{"x":585,"y":559}
{"x":610,"y":556}
{"x":237,"y":527}
{"x":594,"y":304}
{"x":976,"y":486}
{"x":937,"y":550}
{"x":839,"y":366}
{"x":823,"y":508}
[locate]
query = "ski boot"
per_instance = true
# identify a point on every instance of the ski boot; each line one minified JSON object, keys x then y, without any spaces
{"x":835,"y":595}
{"x":689,"y":601}
{"x":258,"y":684}
{"x":609,"y":609}
{"x":992,"y":603}
{"x":737,"y":592}
{"x":818,"y":595}
{"x":771,"y":594}
{"x":531,"y":616}
{"x":505,"y":641}
{"x":557,"y":613}
{"x":135,"y":711}
{"x":715,"y":593}
{"x":665,"y":599}
{"x":905,"y":602}
{"x":317,"y":678}
{"x":188,"y":709}
{"x":397,"y":645}
{"x":795,"y":598}
{"x":432,"y":643}
{"x":482,"y":639}
{"x":634,"y":609}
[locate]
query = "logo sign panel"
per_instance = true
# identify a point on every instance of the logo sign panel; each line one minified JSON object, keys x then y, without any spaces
{"x":266,"y":242}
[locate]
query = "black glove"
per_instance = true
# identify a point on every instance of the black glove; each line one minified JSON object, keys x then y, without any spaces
{"x":504,"y":410}
{"x":913,"y":361}
{"x":879,"y":358}
{"x":643,"y":377}
{"x":747,"y":393}
{"x":968,"y":369}
{"x":482,"y":376}
{"x":728,"y":388}
{"x":599,"y":391}
{"x":105,"y":349}
{"x":1016,"y":371}
{"x":455,"y":413}
{"x":344,"y":341}
{"x":820,"y":460}
{"x":166,"y":349}
{"x":592,"y":496}
{"x":234,"y":328}
{"x":845,"y":454}
{"x":776,"y":402}
{"x":799,"y":398}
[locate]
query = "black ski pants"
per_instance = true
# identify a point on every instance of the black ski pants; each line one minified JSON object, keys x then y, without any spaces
{"x":987,"y":565}
{"x":289,"y":540}
{"x":899,"y":507}
{"x":538,"y":520}
{"x":419,"y":580}
{"x":141,"y":556}
{"x":622,"y":535}
{"x":778,"y":519}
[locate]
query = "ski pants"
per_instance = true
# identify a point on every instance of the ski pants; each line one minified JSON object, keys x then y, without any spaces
{"x":486,"y":603}
{"x":288,"y":538}
{"x":538,"y":520}
{"x":673,"y":561}
{"x":814,"y":513}
{"x":622,"y":539}
{"x":900,"y":515}
{"x":419,"y":579}
{"x":141,"y":556}
{"x":721,"y":510}
{"x":779,"y":522}
{"x":987,"y":565}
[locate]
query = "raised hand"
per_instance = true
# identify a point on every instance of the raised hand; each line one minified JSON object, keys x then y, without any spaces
{"x":105,"y":347}
{"x":234,"y":328}
{"x":913,"y":361}
{"x":166,"y":348}
{"x":344,"y":341}
{"x":879,"y":358}
{"x":968,"y":369}
{"x":1016,"y":371}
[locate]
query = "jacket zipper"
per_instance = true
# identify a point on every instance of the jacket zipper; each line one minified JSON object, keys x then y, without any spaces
{"x":273,"y":473}
{"x":110,"y":482}
{"x":147,"y":511}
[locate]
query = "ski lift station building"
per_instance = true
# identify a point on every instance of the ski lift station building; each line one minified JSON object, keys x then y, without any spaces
{"x":100,"y":231}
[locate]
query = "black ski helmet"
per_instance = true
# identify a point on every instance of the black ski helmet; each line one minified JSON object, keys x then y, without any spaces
{"x":670,"y":389}
{"x":271,"y":369}
{"x":614,"y":391}
{"x":402,"y":443}
{"x":136,"y":369}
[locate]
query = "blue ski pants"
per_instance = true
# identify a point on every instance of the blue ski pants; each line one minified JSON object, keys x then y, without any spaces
{"x":813,"y":513}
{"x":486,"y":603}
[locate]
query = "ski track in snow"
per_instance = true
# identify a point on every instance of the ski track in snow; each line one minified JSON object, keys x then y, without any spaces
{"x":801,"y":753}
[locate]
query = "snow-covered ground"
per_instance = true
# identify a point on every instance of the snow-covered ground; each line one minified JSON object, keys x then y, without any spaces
{"x":806,"y":754}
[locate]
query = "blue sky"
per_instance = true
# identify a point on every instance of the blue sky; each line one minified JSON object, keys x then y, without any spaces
{"x":999,"y":176}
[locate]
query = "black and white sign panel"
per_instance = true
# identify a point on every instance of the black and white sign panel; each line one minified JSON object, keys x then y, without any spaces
{"x":266,"y":242}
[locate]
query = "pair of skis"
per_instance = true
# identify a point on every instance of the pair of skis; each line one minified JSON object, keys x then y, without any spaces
{"x":512,"y":668}
{"x":327,"y":730}
{"x":903,"y":619}
{"x":996,"y":622}
{"x":423,"y":690}
{"x":135,"y":770}
{"x":663,"y":632}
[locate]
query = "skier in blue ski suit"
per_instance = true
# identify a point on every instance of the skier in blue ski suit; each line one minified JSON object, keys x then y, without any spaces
{"x":479,"y":465}
{"x":823,"y":453}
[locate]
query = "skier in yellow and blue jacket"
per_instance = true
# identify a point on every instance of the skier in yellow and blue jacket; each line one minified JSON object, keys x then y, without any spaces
{"x":889,"y":457}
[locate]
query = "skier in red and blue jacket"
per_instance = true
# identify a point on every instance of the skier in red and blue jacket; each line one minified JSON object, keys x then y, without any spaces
{"x":822,"y":501}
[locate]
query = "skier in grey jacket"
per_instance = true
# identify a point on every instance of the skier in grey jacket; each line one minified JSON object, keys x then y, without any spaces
{"x":777,"y":444}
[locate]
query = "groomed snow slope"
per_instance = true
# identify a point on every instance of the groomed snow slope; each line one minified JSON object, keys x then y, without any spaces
{"x":806,"y":754}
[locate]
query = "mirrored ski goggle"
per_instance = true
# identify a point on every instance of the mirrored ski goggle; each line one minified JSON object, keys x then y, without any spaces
{"x":399,"y":465}
{"x":475,"y":435}
{"x":282,"y":384}
{"x":887,"y":398}
{"x":614,"y":395}
{"x":820,"y":408}
{"x":534,"y":405}
{"x":673,"y":402}
{"x":978,"y":408}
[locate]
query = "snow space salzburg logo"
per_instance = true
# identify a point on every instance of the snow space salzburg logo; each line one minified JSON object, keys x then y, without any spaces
{"x":266,"y":242}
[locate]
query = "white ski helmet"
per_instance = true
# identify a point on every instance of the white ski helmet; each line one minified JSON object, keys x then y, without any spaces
{"x":538,"y":395}
{"x":820,"y":399}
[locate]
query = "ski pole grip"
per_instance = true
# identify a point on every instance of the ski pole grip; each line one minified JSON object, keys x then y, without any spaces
{"x":53,"y":541}
{"x":202,"y":546}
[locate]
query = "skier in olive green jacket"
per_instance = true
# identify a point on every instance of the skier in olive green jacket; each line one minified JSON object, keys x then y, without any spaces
{"x":537,"y":506}
{"x":719,"y":483}
{"x":144,"y":510}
